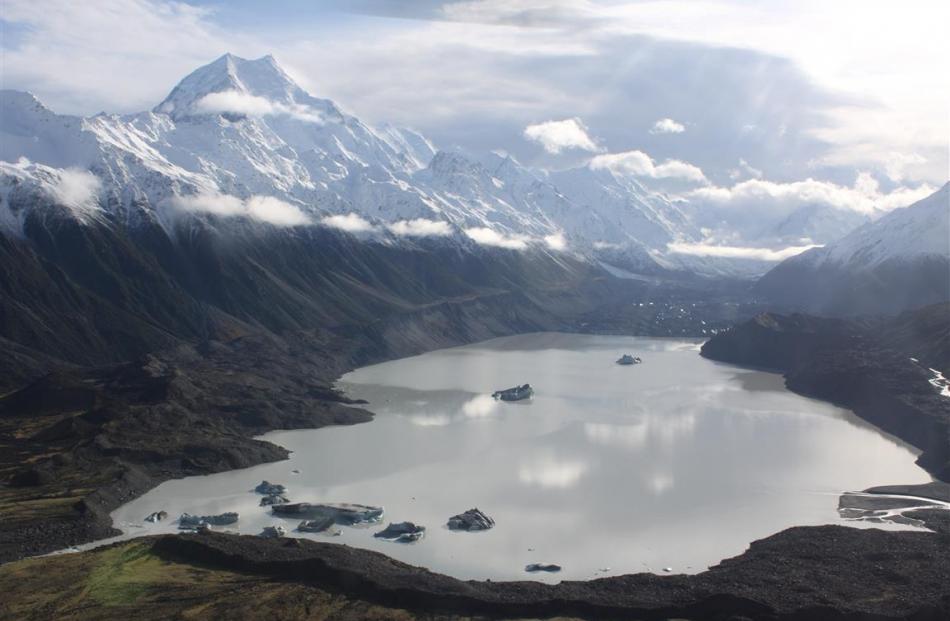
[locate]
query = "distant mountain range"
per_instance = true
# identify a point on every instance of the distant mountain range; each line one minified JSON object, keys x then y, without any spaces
{"x":240,"y":139}
{"x":900,"y":261}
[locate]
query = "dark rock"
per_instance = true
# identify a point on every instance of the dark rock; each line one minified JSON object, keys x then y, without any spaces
{"x":156,"y":516}
{"x":473,"y":519}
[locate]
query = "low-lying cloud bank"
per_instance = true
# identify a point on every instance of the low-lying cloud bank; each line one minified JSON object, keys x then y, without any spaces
{"x":261,"y":208}
{"x":864,"y":197}
{"x":737,"y":252}
{"x":420,"y":227}
{"x":350,"y":222}
{"x":251,"y":105}
{"x":77,"y":189}
{"x":490,"y":237}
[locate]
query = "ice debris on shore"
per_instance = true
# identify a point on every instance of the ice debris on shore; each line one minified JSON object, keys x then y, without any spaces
{"x":549,"y":567}
{"x":273,"y":532}
{"x":402,"y":532}
{"x":188,"y":521}
{"x":340,"y":513}
{"x":156,"y":516}
{"x":270,"y":489}
{"x":473,"y":519}
{"x":274,"y":499}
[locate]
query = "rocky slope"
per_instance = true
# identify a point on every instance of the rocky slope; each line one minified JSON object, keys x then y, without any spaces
{"x":813,"y":573}
{"x":880,"y":368}
{"x":901,"y":261}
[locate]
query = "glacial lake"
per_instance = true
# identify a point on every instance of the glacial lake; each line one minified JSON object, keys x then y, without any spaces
{"x":675,"y":463}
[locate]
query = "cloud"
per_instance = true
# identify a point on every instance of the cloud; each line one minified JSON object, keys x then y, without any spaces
{"x":556,"y":241}
{"x":896,"y":164}
{"x":420,"y":227}
{"x":667,"y":126}
{"x":252,"y":105}
{"x":864,"y":197}
{"x":478,"y":85}
{"x":351,"y":223}
{"x":77,"y":189}
{"x":261,"y":208}
{"x":737,"y":252}
{"x":490,"y":237}
{"x":275,"y":211}
{"x":639,"y":164}
{"x":211,"y":202}
{"x":557,"y":136}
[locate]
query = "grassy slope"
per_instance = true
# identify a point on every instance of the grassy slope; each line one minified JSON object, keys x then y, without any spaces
{"x":129,"y":582}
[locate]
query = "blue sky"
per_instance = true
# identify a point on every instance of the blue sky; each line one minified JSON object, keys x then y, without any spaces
{"x":777,"y":92}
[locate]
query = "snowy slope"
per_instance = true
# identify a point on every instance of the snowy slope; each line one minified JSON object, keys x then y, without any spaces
{"x":916,"y":231}
{"x":240,"y":138}
{"x":900,"y":261}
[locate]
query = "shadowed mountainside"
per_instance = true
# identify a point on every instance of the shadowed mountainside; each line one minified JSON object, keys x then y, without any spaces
{"x":880,"y":368}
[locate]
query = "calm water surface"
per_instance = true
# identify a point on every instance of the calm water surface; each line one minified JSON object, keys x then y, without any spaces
{"x":675,"y":463}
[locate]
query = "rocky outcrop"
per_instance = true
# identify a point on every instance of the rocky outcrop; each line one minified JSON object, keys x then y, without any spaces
{"x":156,"y":516}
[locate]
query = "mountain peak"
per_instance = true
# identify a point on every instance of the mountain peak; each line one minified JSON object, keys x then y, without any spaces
{"x":262,"y":77}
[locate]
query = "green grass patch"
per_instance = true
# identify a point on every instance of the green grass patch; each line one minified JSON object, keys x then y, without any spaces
{"x":123,"y":575}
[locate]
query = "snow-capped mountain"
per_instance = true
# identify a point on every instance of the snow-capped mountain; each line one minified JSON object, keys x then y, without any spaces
{"x":241,"y":139}
{"x":900,"y":261}
{"x":238,"y":131}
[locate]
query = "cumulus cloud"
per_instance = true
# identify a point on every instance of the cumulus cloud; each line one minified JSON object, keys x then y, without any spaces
{"x":896,"y":164}
{"x":490,"y":237}
{"x":261,"y":208}
{"x":77,"y":189}
{"x":667,"y":126}
{"x":864,"y":197}
{"x":420,"y":227}
{"x":639,"y":164}
{"x":350,"y":222}
{"x":737,"y":252}
{"x":555,"y":241}
{"x":252,"y":105}
{"x":557,"y":136}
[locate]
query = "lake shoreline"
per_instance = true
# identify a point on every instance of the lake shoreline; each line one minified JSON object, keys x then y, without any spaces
{"x":790,"y":540}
